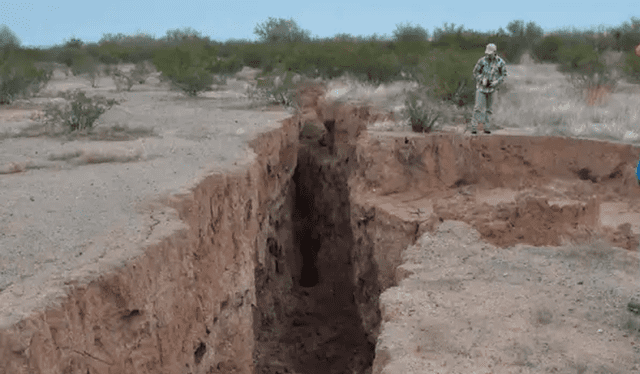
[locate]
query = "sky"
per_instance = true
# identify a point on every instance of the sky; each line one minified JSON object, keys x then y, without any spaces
{"x":47,"y":23}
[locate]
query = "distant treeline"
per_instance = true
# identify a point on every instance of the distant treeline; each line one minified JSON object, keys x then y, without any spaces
{"x":442,"y":60}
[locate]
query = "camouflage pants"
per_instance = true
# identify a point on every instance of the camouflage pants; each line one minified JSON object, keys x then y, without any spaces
{"x":482,"y":110}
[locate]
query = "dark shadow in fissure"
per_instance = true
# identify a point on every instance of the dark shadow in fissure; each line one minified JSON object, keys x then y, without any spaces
{"x":306,"y":237}
{"x":326,"y":329}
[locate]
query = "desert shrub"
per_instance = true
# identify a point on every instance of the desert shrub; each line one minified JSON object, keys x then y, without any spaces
{"x":421,"y":112}
{"x":109,"y":53}
{"x":278,"y":88}
{"x":631,"y":66}
{"x":86,"y":64}
{"x":19,"y":77}
{"x":547,"y":50}
{"x":193,"y":80}
{"x":588,"y":73}
{"x":281,"y":30}
{"x":253,"y":58}
{"x":8,"y":39}
{"x":367,"y":61}
{"x":79,"y":113}
{"x":185,"y":66}
{"x":372,"y":65}
{"x":448,"y":75}
{"x":226,"y":66}
{"x":409,"y":33}
{"x":305,"y":59}
{"x":581,"y":58}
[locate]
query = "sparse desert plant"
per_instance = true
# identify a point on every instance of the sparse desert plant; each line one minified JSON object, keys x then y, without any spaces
{"x":277,"y":88}
{"x":422,"y":113}
{"x":79,"y":113}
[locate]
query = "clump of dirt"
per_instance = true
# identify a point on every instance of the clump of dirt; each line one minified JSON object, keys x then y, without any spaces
{"x":531,"y":220}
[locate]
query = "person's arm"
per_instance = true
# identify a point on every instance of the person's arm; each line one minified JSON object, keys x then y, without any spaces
{"x":502,"y":69}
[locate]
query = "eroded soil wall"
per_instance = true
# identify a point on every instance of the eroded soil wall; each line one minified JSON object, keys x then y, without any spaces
{"x":404,"y":185}
{"x":188,"y":305}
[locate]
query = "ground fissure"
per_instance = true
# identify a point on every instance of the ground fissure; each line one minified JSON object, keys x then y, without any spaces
{"x":282,"y":265}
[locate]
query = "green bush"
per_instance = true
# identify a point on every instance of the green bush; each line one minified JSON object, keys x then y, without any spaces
{"x":185,"y":66}
{"x":86,"y":64}
{"x":253,"y":58}
{"x":19,"y":77}
{"x":448,"y":75}
{"x":281,"y":30}
{"x":372,"y":65}
{"x":193,"y":80}
{"x":587,"y":70}
{"x":582,"y":59}
{"x":548,"y":49}
{"x":226,"y":66}
{"x":79,"y":113}
{"x":409,"y":33}
{"x":8,"y":38}
{"x":632,"y":66}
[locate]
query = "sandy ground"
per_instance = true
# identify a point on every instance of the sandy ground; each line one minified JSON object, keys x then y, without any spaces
{"x":466,"y":306}
{"x":77,"y":201}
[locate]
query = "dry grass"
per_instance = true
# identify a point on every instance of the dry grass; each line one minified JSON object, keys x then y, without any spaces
{"x":533,"y":96}
{"x":110,"y":133}
{"x":538,"y":96}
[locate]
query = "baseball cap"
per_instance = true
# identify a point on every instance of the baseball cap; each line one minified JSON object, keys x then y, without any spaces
{"x":491,"y":48}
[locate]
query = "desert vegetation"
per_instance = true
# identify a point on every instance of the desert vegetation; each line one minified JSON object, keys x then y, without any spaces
{"x":564,"y":90}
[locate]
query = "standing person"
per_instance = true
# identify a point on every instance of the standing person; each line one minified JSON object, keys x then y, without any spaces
{"x":489,"y":73}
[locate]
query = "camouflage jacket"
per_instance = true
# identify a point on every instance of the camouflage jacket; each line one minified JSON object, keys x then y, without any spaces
{"x":495,"y":70}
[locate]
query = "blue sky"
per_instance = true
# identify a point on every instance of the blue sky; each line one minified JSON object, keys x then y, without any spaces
{"x":39,"y":23}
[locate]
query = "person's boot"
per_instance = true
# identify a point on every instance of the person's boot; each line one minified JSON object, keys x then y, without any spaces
{"x":487,"y":132}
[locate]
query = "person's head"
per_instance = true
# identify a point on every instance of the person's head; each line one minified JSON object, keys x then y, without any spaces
{"x":490,"y":51}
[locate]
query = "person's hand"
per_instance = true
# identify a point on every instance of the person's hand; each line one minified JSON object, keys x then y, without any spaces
{"x":494,"y":84}
{"x":484,"y":82}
